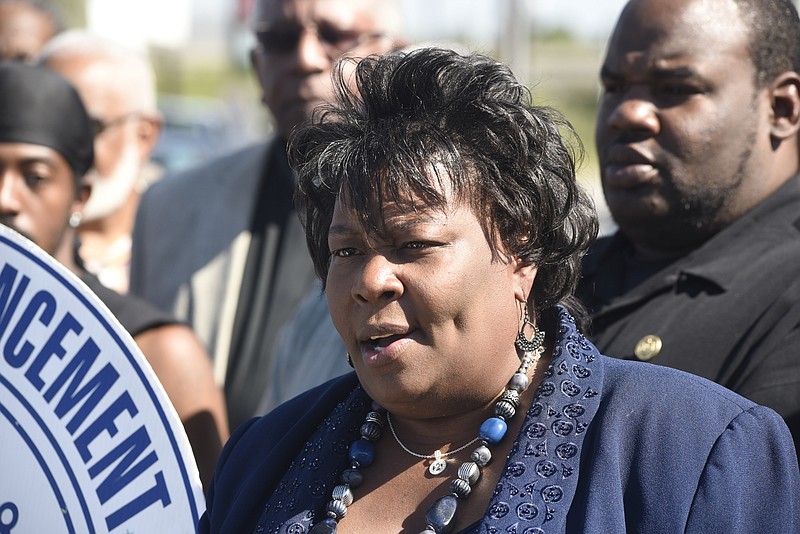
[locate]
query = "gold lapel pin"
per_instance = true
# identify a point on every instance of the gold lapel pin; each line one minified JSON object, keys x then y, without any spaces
{"x":648,"y":347}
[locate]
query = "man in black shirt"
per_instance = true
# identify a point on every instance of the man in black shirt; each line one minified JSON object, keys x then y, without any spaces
{"x":698,"y":148}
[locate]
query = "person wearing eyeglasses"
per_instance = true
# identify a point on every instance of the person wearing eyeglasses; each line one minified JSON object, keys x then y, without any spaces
{"x":117,"y":86}
{"x":220,"y":245}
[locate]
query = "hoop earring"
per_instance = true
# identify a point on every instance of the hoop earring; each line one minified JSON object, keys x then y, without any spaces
{"x":528,"y":345}
{"x":349,"y":360}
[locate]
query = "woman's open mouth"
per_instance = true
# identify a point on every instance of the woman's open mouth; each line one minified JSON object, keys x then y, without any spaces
{"x":383,"y":348}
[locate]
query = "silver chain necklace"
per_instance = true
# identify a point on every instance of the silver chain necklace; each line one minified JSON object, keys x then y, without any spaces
{"x":438,"y":465}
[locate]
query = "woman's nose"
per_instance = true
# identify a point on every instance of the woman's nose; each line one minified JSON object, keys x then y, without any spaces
{"x":378,"y":281}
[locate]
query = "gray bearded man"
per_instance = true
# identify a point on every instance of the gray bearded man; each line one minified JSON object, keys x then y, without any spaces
{"x":118,"y":88}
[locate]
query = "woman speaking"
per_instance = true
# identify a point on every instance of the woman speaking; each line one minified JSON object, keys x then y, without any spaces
{"x":443,"y":216}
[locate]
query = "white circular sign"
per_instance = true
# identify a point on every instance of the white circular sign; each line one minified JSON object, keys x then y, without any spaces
{"x":90,"y":441}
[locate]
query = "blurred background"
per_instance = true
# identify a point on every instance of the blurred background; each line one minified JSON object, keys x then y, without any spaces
{"x":209,"y":95}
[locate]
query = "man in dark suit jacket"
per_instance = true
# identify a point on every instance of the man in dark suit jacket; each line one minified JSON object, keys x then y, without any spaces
{"x":698,"y":147}
{"x":220,"y":245}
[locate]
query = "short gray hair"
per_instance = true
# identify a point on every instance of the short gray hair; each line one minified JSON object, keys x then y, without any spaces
{"x":136,"y":77}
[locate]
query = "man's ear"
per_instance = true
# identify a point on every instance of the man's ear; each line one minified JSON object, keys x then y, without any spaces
{"x":148,"y":131}
{"x":785,"y":101}
{"x":253,"y":55}
{"x":255,"y":63}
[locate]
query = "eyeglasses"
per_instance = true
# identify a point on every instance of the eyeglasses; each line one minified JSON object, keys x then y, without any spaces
{"x":99,"y":125}
{"x":334,"y":41}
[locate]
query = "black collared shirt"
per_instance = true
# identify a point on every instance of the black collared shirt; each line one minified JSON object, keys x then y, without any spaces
{"x":728,"y":311}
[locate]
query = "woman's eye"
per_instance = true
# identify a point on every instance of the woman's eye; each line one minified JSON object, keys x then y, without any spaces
{"x":418,"y":245}
{"x":343,"y":252}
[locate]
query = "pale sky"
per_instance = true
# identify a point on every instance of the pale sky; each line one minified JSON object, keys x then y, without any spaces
{"x":587,"y":18}
{"x":591,"y":19}
{"x":132,"y":22}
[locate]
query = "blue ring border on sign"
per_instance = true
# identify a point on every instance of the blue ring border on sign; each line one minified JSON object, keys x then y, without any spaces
{"x":41,"y":461}
{"x":121,"y":345}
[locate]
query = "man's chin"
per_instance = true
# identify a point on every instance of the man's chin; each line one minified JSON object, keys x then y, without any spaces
{"x":294,"y":116}
{"x":110,"y":193}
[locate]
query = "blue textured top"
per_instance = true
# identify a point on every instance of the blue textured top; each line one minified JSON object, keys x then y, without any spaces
{"x":606,"y":446}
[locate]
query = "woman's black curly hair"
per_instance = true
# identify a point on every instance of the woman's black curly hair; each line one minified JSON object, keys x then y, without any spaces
{"x":415,"y":120}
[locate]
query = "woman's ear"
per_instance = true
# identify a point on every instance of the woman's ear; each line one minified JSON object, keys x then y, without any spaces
{"x":81,"y":197}
{"x":524,"y":275}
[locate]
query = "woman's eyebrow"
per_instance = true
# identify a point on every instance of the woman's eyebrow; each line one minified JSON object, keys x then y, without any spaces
{"x":340,"y":230}
{"x":390,"y":224}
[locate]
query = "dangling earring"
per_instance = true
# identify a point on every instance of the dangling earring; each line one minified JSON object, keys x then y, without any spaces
{"x":524,"y":344}
{"x":349,"y":360}
{"x":75,"y":219}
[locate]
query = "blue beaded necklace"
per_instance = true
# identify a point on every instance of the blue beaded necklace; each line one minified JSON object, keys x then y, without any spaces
{"x":441,"y":516}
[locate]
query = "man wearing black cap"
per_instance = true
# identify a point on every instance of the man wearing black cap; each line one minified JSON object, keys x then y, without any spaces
{"x":46,"y":146}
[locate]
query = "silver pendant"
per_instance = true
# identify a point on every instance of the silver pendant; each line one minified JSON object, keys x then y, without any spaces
{"x":438,"y":465}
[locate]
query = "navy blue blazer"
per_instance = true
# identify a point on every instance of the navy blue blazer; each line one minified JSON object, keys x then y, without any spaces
{"x":607,"y":446}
